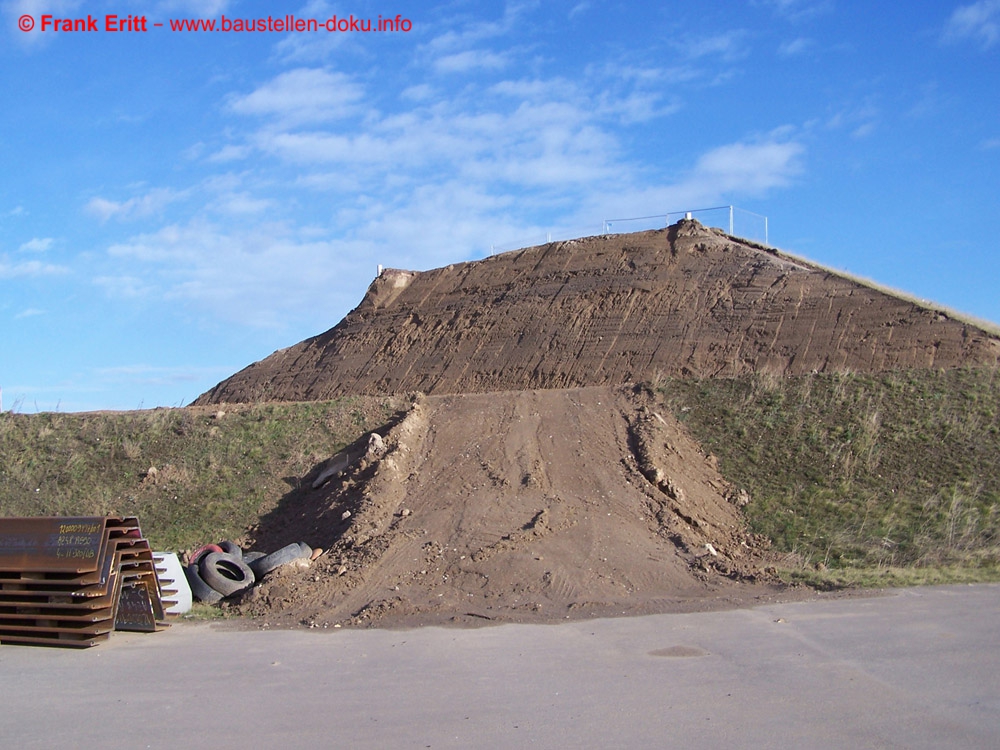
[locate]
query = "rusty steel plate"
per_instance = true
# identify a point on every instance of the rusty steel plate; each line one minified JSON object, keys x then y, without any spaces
{"x":63,"y":545}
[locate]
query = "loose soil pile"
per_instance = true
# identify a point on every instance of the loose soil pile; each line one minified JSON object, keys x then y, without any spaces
{"x":527,"y":506}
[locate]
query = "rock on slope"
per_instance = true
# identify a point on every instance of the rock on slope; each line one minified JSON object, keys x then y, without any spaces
{"x":685,"y":300}
{"x":517,"y":506}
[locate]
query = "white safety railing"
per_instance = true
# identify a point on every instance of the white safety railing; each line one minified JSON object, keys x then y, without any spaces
{"x":731,"y":219}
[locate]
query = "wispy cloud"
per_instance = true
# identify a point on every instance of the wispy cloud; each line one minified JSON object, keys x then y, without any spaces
{"x":979,"y":22}
{"x":29,"y":313}
{"x":241,"y":204}
{"x":469,"y":60}
{"x":748,"y":168}
{"x":302,"y":95}
{"x":797,"y":10}
{"x":230,"y":152}
{"x":471,"y":34}
{"x":125,"y":286}
{"x":729,"y":46}
{"x":257,"y":274}
{"x":138,"y":207}
{"x":29,"y":268}
{"x":861,"y":120}
{"x":36,"y":245}
{"x":796,"y":47}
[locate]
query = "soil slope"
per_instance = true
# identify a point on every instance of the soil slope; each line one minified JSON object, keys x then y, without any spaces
{"x":518,"y":506}
{"x":683,"y":301}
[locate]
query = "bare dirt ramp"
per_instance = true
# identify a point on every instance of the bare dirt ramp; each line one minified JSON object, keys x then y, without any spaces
{"x":525,"y":506}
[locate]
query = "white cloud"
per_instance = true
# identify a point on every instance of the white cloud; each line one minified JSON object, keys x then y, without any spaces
{"x":747,"y":168}
{"x":798,"y":10}
{"x":37,"y":245}
{"x":465,"y":49}
{"x":254,"y":274}
{"x":729,"y":46}
{"x":418,"y":93}
{"x":861,"y":119}
{"x":796,"y":47}
{"x":241,"y":203}
{"x":302,"y":95}
{"x":864,"y":130}
{"x":230,"y":152}
{"x":29,"y":268}
{"x":480,"y":31}
{"x":141,"y":206}
{"x":623,"y":94}
{"x":463,"y":62}
{"x":29,"y":313}
{"x":636,"y":107}
{"x":125,"y":287}
{"x":979,"y":22}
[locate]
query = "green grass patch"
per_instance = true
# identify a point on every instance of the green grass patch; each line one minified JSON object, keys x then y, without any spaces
{"x":860,"y":472}
{"x":189,"y":475}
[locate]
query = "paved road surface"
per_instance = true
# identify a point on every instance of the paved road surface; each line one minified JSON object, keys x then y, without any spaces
{"x":919,"y":668}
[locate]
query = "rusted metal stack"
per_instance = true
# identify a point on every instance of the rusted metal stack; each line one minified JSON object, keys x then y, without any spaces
{"x":71,"y":581}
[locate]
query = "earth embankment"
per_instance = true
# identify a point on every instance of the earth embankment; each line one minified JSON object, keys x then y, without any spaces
{"x":679,"y":302}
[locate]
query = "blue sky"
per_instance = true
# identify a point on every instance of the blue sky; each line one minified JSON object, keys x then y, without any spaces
{"x":177,"y":205}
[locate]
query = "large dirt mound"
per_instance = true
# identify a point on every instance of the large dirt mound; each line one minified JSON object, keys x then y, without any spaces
{"x":521,"y":506}
{"x":618,"y":309}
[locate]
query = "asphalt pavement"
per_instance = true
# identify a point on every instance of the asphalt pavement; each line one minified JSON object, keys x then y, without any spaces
{"x":916,"y":668}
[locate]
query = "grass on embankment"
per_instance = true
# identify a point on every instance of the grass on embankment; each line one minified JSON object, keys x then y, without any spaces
{"x":216,"y":471}
{"x":886,"y":479}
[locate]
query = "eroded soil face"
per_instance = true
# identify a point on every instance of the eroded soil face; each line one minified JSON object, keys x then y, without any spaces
{"x":683,"y":301}
{"x":530,"y":506}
